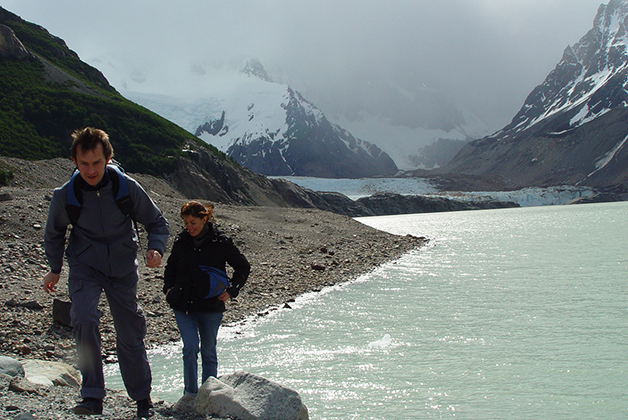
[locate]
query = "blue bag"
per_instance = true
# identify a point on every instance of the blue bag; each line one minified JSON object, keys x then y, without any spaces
{"x":217,"y":282}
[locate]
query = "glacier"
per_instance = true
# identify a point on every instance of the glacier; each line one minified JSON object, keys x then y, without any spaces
{"x":364,"y":187}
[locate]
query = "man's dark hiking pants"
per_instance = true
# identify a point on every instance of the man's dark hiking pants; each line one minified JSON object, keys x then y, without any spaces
{"x":85,"y":285}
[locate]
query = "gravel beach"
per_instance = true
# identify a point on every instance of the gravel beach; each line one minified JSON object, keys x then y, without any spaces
{"x":291,"y":251}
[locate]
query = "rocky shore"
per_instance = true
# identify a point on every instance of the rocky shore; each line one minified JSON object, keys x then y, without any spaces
{"x":292,"y":251}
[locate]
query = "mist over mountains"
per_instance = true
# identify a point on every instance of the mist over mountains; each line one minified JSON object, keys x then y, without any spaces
{"x":407,"y":127}
{"x":404,"y":119}
{"x":270,"y":128}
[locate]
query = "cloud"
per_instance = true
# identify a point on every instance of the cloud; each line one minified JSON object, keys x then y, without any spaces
{"x":489,"y":53}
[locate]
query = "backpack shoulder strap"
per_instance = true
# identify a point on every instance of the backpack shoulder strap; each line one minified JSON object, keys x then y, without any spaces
{"x":123,"y":196}
{"x":120,"y":190}
{"x":74,"y":197}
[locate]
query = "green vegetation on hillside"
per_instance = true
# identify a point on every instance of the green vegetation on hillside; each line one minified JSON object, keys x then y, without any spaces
{"x":45,"y":98}
{"x":5,"y":177}
{"x":40,"y":42}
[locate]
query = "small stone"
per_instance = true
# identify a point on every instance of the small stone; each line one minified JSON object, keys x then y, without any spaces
{"x":19,"y":384}
{"x":317,"y":266}
{"x":32,"y":304}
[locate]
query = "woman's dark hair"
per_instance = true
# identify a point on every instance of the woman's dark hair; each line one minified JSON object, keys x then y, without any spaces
{"x":196,"y":209}
{"x":87,"y":139}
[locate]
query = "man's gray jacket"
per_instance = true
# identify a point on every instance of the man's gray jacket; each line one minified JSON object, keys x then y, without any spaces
{"x":103,"y":237}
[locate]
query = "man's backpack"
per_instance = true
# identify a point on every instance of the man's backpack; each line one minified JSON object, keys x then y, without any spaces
{"x":74,"y":194}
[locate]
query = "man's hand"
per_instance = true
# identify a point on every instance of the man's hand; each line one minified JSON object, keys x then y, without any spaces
{"x":50,"y":281}
{"x":153,"y":258}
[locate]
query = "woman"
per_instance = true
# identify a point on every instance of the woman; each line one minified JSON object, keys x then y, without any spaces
{"x":201,"y":247}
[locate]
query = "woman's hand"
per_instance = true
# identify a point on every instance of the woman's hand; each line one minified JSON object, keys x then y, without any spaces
{"x":224,"y":296}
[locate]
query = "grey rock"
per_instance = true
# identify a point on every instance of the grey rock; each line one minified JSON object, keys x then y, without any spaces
{"x":246,"y":396}
{"x":10,"y":45}
{"x":24,"y":416}
{"x":61,"y":312}
{"x":20,"y":385}
{"x":47,"y":373}
{"x":11,"y":367}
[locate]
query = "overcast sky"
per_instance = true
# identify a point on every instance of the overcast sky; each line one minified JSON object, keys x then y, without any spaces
{"x":491,"y":53}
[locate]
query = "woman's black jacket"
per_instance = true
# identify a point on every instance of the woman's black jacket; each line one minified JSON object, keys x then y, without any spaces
{"x":181,"y":271}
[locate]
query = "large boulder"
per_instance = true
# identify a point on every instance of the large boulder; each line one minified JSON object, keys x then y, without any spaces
{"x":47,"y":373}
{"x":245,"y":396}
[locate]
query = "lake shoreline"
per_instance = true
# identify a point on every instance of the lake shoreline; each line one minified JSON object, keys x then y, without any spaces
{"x":291,"y":251}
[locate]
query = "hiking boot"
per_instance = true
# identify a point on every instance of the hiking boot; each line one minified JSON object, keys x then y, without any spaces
{"x":144,"y":408}
{"x":89,"y":406}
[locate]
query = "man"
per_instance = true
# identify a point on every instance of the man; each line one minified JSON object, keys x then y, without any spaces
{"x":101,"y":255}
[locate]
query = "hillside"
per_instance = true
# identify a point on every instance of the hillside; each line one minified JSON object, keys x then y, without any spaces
{"x":48,"y":92}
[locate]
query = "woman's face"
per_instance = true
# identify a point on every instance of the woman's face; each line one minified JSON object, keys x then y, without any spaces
{"x":194,"y":224}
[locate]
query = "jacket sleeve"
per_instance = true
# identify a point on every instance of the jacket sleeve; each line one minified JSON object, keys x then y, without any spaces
{"x":56,"y":228}
{"x":241,"y":267}
{"x":146,"y":212}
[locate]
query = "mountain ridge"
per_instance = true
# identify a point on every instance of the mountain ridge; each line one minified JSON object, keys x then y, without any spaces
{"x":572,"y":128}
{"x":270,"y":127}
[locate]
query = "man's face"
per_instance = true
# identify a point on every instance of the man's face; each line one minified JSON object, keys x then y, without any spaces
{"x":91,"y":164}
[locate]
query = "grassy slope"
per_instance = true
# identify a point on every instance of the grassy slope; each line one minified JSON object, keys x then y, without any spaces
{"x":38,"y":112}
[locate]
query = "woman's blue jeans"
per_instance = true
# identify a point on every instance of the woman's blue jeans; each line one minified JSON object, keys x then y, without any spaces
{"x":198,"y":328}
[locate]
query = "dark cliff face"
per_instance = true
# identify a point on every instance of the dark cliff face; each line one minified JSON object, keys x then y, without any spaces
{"x":10,"y":46}
{"x":594,"y":155}
{"x":572,"y":128}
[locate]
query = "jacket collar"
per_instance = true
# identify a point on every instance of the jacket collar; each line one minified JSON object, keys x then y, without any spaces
{"x":212,"y":235}
{"x":86,"y":187}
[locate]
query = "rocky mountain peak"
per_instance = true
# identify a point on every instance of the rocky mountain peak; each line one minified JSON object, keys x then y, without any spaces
{"x":253,"y":67}
{"x":612,"y":15}
{"x":590,"y":78}
{"x":572,"y":128}
{"x":10,"y":45}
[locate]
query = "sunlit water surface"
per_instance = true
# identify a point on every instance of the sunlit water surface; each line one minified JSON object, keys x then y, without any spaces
{"x":515,"y":313}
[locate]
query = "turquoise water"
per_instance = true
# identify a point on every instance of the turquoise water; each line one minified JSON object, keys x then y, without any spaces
{"x":514,"y":313}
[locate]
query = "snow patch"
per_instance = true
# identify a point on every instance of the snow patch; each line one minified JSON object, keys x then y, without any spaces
{"x":605,"y":160}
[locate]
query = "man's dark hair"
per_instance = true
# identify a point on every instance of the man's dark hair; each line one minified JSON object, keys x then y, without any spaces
{"x":88,"y":138}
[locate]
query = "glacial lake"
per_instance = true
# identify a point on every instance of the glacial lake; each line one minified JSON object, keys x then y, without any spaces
{"x":512,"y":313}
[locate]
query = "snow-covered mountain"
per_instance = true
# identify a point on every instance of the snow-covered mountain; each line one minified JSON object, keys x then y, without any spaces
{"x":589,"y":81}
{"x":573,"y":128}
{"x":269,"y":127}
